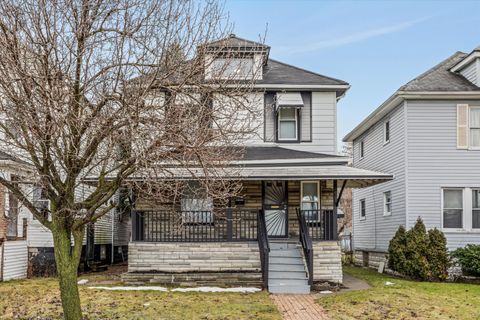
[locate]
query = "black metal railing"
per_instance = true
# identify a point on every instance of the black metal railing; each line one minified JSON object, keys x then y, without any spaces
{"x":264,"y":246}
{"x":227,"y":224}
{"x":307,"y":245}
{"x":321,"y":224}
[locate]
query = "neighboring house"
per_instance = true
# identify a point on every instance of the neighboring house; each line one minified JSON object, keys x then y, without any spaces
{"x":427,"y":134}
{"x":26,"y":246}
{"x":291,"y":164}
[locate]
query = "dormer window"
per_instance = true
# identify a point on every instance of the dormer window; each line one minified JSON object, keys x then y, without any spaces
{"x":233,"y":68}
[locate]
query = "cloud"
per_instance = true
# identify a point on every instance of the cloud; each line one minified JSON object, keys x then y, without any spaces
{"x":353,"y":38}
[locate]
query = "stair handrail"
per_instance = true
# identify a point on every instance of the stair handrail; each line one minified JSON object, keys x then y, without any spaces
{"x":263,"y":245}
{"x":307,"y":245}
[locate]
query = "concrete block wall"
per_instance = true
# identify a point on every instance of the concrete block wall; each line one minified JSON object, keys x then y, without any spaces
{"x":369,"y":259}
{"x":177,"y":257}
{"x":327,"y":262}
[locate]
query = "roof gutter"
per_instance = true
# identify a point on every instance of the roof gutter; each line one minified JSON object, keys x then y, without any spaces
{"x":395,"y":99}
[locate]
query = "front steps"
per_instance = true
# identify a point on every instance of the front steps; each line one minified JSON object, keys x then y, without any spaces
{"x":286,"y":269}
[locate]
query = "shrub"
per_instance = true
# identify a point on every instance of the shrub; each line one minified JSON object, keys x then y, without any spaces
{"x":418,"y":254}
{"x":469,"y":259}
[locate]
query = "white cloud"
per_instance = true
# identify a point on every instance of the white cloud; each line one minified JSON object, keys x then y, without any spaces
{"x":352,"y":38}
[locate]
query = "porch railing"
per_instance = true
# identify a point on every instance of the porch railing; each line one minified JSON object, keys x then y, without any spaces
{"x":321,"y":224}
{"x":229,"y":224}
{"x":307,"y":245}
{"x":264,"y":246}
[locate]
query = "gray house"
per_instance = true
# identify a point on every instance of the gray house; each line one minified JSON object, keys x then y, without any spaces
{"x":427,"y":134}
{"x":281,"y":230}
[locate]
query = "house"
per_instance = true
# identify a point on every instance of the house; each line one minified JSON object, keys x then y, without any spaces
{"x":281,"y":230}
{"x":427,"y":134}
{"x":26,"y":246}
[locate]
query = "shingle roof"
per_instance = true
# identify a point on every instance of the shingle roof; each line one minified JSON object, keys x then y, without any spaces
{"x":276,"y":72}
{"x":440,"y":78}
{"x":279,"y":153}
{"x":232,"y":41}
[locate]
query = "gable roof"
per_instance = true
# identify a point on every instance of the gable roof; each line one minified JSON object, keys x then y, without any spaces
{"x":437,"y":82}
{"x":232,"y":41}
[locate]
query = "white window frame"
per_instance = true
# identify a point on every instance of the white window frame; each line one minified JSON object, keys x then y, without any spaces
{"x":470,"y":147}
{"x":471,"y":202}
{"x":385,"y":125}
{"x":385,"y":203}
{"x":362,"y":149}
{"x":364,"y":202}
{"x":464,"y":209}
{"x":279,"y":120}
{"x":318,"y":193}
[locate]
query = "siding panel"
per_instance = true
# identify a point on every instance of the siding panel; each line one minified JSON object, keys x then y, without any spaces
{"x":15,"y":256}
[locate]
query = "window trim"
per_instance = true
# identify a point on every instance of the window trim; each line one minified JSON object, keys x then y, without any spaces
{"x":470,"y":147}
{"x":385,"y":212}
{"x":385,"y":124}
{"x":296,"y":139}
{"x":318,"y":192}
{"x":464,"y":209}
{"x":364,"y":202}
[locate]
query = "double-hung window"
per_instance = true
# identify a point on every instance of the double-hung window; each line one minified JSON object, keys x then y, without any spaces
{"x":475,"y":208}
{"x":387,"y":203}
{"x":453,"y":208}
{"x":310,"y":201}
{"x":363,"y":209}
{"x":287,"y":124}
{"x":474,"y":125}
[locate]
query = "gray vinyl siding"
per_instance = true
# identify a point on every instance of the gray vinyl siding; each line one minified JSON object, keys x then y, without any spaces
{"x":471,"y":72}
{"x":376,"y":230}
{"x":435,"y":162}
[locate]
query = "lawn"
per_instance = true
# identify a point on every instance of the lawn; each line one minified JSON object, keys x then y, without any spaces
{"x":403,"y":300}
{"x":39,"y":299}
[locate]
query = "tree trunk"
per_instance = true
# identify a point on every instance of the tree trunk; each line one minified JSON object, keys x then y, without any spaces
{"x":67,"y":259}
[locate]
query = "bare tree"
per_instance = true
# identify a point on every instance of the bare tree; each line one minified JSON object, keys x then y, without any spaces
{"x":113,"y":92}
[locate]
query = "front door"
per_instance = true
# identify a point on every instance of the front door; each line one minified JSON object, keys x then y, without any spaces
{"x":275,"y":208}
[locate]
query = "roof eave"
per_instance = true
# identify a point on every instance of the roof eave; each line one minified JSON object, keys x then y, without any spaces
{"x":466,"y":61}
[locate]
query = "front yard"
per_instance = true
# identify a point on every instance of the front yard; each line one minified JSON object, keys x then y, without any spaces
{"x":403,"y":300}
{"x":39,"y":299}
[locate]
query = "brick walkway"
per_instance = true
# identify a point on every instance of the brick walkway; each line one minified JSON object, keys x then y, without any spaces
{"x":299,"y":307}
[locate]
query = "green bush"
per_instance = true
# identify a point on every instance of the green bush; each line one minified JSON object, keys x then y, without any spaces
{"x":418,"y":254}
{"x":469,"y":259}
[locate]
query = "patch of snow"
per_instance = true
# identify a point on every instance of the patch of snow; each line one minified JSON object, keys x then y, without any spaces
{"x":217,"y":289}
{"x":388,"y":283}
{"x":141,"y":288}
{"x":326,"y":292}
{"x":146,"y":304}
{"x":82,"y":281}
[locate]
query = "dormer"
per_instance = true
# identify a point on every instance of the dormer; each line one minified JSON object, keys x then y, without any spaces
{"x":469,"y":67}
{"x":234,"y":58}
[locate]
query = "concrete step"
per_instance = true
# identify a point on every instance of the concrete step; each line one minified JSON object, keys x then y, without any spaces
{"x":283,"y":245}
{"x":288,"y":282}
{"x":285,"y":260}
{"x":289,"y":289}
{"x":286,"y":267}
{"x":285,"y":253}
{"x":300,"y":275}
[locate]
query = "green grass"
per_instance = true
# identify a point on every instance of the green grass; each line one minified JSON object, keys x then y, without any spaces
{"x":39,"y":299}
{"x":403,"y":300}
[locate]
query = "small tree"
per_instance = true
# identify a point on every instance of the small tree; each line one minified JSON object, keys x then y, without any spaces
{"x":437,"y":255}
{"x":396,"y":250}
{"x":416,"y":262}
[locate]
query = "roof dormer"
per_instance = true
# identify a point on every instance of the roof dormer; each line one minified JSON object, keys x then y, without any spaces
{"x":234,"y":58}
{"x":469,"y":67}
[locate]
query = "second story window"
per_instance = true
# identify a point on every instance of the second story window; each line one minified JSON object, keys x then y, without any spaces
{"x":287,"y":124}
{"x":387,"y":203}
{"x":475,"y":127}
{"x":386,"y":132}
{"x":363,"y":209}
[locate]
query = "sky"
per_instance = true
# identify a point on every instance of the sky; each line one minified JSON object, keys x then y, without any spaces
{"x":376,"y":46}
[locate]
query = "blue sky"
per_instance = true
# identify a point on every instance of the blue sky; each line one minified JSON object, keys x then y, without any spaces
{"x":376,"y":46}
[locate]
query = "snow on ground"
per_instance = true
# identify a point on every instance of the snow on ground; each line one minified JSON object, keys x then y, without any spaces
{"x":199,"y":289}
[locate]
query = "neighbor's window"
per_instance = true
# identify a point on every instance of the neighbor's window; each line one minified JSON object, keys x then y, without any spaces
{"x":476,"y":209}
{"x":287,"y":124}
{"x":362,"y":149}
{"x":386,"y":132}
{"x":387,"y":203}
{"x":233,"y":68}
{"x":475,"y":127}
{"x":363,"y":209}
{"x":453,"y":208}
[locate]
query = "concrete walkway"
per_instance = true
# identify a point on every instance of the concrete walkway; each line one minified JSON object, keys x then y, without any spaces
{"x":299,"y":307}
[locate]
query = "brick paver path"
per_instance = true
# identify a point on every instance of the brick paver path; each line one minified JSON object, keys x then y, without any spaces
{"x":299,"y":307}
